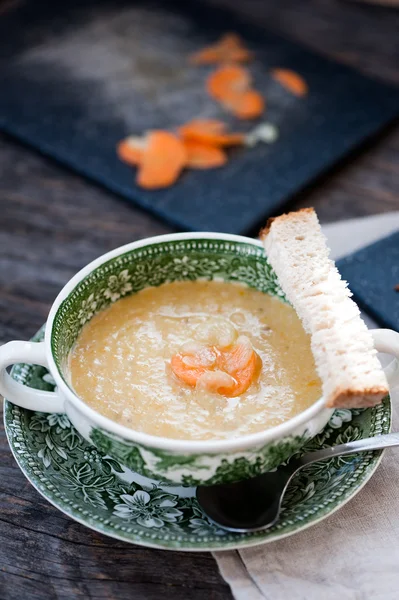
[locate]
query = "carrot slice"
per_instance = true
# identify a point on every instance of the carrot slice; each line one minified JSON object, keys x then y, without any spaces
{"x":241,"y":362}
{"x":200,"y":127}
{"x":188,"y":375}
{"x":230,"y":48}
{"x":291,"y":81}
{"x":162,"y":162}
{"x":131,"y":149}
{"x":217,"y":382}
{"x":229,"y":373}
{"x":227,"y":80}
{"x":204,"y":125}
{"x":210,"y":132}
{"x":231,"y":86}
{"x":231,"y":40}
{"x":203,"y":156}
{"x":246,"y":105}
{"x":188,"y":366}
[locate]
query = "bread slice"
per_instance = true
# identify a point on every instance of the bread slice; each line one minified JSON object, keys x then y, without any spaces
{"x":342,"y":345}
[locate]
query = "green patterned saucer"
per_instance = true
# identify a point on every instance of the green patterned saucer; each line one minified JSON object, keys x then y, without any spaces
{"x":100,"y":493}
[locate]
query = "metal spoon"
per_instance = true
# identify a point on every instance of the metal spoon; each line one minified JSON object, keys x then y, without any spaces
{"x":254,"y":504}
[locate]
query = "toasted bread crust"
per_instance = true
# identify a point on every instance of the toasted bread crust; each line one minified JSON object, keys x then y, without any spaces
{"x":357,"y":398}
{"x":296,"y":215}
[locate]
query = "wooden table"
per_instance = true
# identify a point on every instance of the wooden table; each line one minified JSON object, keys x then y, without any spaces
{"x":53,"y":222}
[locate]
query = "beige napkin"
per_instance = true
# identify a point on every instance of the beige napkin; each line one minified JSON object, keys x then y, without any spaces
{"x":354,"y":553}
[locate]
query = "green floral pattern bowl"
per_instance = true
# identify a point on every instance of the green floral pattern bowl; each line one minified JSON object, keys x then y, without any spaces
{"x":100,"y":492}
{"x":125,"y":271}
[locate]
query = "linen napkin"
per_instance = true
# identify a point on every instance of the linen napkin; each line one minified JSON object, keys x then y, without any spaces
{"x":354,"y":553}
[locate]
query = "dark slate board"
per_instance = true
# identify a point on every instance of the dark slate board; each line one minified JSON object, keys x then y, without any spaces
{"x":77,"y":76}
{"x":373,"y":273}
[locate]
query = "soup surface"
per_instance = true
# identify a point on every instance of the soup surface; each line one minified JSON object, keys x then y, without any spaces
{"x":196,"y":361}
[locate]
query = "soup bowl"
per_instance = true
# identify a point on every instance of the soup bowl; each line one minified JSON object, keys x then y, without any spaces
{"x":127,"y":270}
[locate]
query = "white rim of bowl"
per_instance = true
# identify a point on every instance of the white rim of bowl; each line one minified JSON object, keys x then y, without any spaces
{"x":259,"y":438}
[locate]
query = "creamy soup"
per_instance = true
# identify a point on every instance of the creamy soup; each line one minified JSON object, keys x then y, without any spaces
{"x":196,"y":361}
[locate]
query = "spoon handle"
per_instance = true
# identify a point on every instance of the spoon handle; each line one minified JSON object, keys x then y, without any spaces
{"x":374,"y":443}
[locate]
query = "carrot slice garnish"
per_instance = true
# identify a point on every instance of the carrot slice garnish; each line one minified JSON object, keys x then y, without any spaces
{"x":230,"y":48}
{"x":204,"y":156}
{"x":210,"y":132}
{"x":188,"y":375}
{"x":291,"y":81}
{"x":241,"y":362}
{"x":228,"y":80}
{"x":247,"y":105}
{"x":231,"y":372}
{"x":188,"y":366}
{"x":217,"y":382}
{"x":162,"y":162}
{"x":130,"y":150}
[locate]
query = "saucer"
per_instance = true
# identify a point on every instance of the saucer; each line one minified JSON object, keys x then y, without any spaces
{"x":100,"y":493}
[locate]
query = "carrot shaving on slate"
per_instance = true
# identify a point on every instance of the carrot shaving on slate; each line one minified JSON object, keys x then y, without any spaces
{"x":211,"y":132}
{"x":160,"y":156}
{"x":162,"y":162}
{"x":291,"y":81}
{"x":228,"y":80}
{"x":204,"y":156}
{"x":130,"y":150}
{"x":247,"y":105}
{"x":229,"y":49}
{"x":231,"y":86}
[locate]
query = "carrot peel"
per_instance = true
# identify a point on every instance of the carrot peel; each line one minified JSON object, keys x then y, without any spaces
{"x":229,"y":49}
{"x":228,"y":80}
{"x":131,"y":150}
{"x":204,"y":156}
{"x":248,"y":105}
{"x":163,"y":160}
{"x":231,"y":86}
{"x":210,"y":132}
{"x":291,"y":81}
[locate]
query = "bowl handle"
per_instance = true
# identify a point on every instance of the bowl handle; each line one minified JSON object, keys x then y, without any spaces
{"x":22,"y":395}
{"x":387,"y":341}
